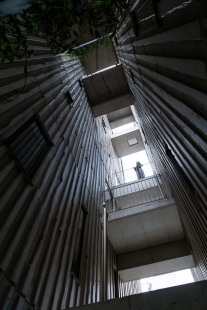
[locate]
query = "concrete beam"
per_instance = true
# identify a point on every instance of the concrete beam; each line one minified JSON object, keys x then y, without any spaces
{"x":106,"y":57}
{"x":122,"y":121}
{"x":152,"y":255}
{"x":189,"y":296}
{"x":118,"y":215}
{"x":157,"y":269}
{"x":112,"y":105}
{"x":121,"y":113}
{"x":125,"y":131}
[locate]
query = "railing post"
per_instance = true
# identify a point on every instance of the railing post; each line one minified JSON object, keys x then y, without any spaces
{"x":113,"y":204}
{"x":104,"y":253}
{"x":160,"y":188}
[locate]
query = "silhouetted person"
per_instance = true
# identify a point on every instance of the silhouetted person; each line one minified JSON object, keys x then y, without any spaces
{"x":139,"y":171}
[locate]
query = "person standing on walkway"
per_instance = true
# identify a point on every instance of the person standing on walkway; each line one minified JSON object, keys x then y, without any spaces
{"x":139,"y":171}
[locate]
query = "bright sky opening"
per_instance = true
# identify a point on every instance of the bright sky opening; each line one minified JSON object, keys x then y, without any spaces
{"x":129,"y":162}
{"x":166,"y":280}
{"x":121,"y":128}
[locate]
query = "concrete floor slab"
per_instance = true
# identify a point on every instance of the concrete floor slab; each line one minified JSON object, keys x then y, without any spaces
{"x":151,"y":255}
{"x":106,"y":85}
{"x":144,"y":229}
{"x":191,"y":296}
{"x":156,"y":269}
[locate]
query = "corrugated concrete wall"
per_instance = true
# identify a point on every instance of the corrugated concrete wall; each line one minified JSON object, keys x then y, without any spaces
{"x":197,"y":274}
{"x":166,"y":70}
{"x":39,"y":221}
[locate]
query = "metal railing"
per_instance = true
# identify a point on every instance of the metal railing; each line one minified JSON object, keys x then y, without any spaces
{"x":134,"y":193}
{"x":129,"y":288}
{"x":131,"y":175}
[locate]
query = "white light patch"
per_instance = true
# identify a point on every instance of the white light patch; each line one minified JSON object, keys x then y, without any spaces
{"x":132,"y":141}
{"x":121,"y":128}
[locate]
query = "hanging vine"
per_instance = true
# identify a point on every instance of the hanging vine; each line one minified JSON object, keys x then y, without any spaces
{"x":64,"y":22}
{"x":83,"y":52}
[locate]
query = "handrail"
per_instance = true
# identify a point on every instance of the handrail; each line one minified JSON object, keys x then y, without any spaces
{"x":134,"y":193}
{"x":130,"y":175}
{"x":133,"y":182}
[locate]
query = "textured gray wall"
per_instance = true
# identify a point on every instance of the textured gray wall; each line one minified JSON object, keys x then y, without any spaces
{"x":169,"y":82}
{"x":39,"y":222}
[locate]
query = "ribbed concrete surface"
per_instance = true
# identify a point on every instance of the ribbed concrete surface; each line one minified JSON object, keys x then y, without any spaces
{"x":39,"y":222}
{"x":166,"y":71}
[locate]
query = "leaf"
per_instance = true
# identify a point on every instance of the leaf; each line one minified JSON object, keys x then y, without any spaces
{"x":55,"y":18}
{"x":36,"y":28}
{"x":81,"y":28}
{"x":77,"y":18}
{"x":43,"y":6}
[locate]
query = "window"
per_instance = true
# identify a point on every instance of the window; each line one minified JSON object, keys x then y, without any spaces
{"x":116,"y":284}
{"x":80,"y":83}
{"x":144,"y":135}
{"x":116,"y":41}
{"x":69,"y":98}
{"x":104,"y":125}
{"x":79,"y":243}
{"x":29,"y":144}
{"x":145,"y":16}
{"x":132,"y":76}
{"x":132,"y":141}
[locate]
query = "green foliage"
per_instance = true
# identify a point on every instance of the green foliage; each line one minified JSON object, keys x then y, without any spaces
{"x":83,"y":52}
{"x":63,"y":21}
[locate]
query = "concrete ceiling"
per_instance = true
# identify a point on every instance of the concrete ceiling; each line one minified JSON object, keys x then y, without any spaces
{"x":106,"y":57}
{"x":106,"y":85}
{"x":145,"y":230}
{"x":121,"y":145}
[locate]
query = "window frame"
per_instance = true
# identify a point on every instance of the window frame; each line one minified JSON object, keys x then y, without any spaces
{"x":76,"y":272}
{"x":134,"y":19}
{"x":17,"y":133}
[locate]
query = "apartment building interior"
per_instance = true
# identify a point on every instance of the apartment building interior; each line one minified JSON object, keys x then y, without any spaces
{"x":104,"y":169}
